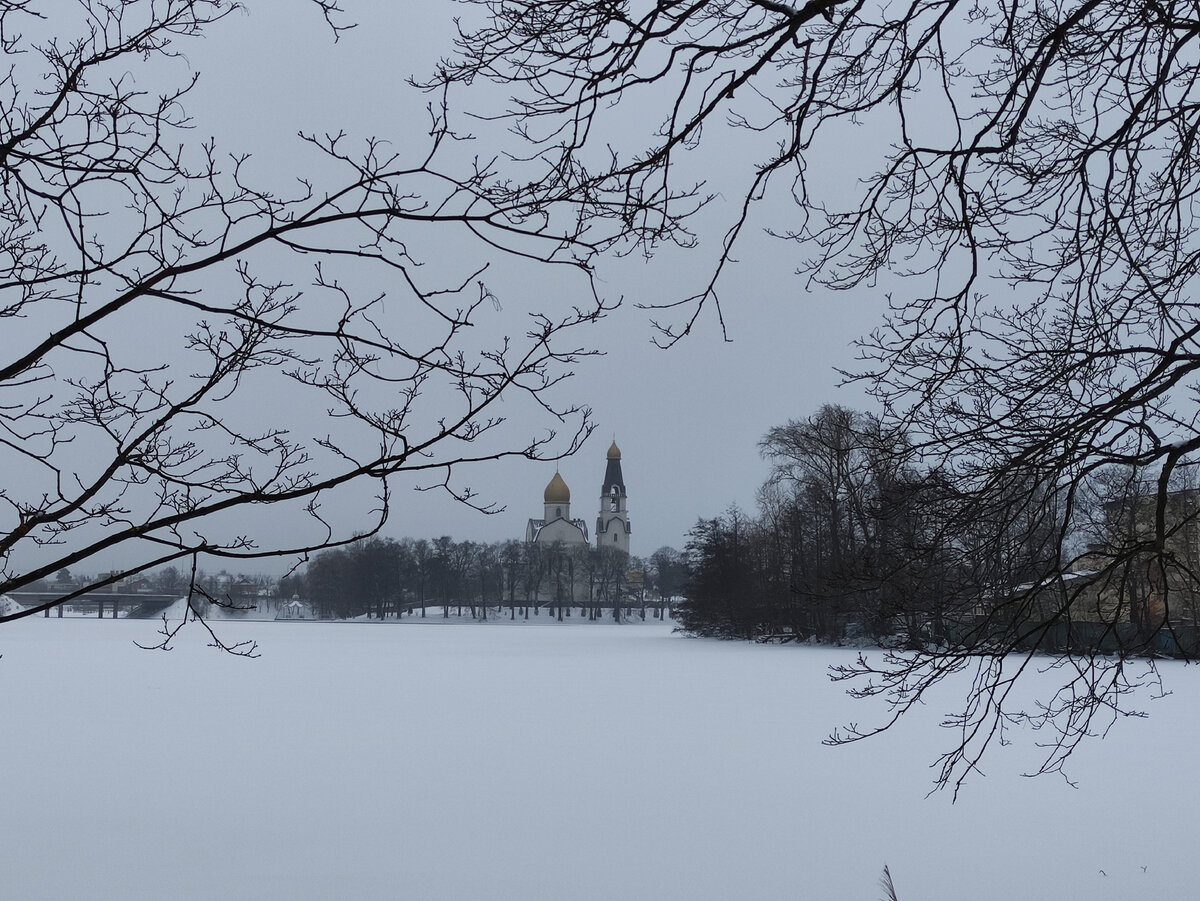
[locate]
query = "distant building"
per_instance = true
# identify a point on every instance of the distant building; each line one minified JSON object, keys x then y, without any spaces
{"x":612,"y":525}
{"x":1154,"y":587}
{"x":556,"y":526}
{"x":1133,"y":589}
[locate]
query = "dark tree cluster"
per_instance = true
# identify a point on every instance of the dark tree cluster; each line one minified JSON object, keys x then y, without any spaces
{"x":855,"y":541}
{"x":850,"y":543}
{"x":382,"y":578}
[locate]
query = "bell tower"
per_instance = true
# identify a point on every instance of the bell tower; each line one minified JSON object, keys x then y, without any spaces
{"x":612,"y":525}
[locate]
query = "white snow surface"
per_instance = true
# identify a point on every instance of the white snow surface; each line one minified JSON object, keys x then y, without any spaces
{"x":616,"y":762}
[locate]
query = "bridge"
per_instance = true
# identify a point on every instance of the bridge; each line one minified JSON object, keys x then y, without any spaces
{"x":137,"y":605}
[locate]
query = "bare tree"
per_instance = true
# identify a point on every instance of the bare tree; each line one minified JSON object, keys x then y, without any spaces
{"x":511,"y":555}
{"x":668,"y":572}
{"x":1044,"y":149}
{"x":170,"y":327}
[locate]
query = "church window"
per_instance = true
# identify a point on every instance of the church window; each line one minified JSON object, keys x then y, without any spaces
{"x":558,"y":512}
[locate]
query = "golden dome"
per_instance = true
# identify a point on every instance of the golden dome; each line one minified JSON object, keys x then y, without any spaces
{"x":557,"y":491}
{"x":614,"y":452}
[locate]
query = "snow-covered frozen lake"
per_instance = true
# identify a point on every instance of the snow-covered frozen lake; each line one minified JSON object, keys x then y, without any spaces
{"x":364,"y":761}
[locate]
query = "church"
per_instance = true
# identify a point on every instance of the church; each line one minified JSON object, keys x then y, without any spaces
{"x":612,"y":525}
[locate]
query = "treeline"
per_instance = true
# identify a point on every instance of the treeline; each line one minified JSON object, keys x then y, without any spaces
{"x":385,"y":578}
{"x":853,"y":540}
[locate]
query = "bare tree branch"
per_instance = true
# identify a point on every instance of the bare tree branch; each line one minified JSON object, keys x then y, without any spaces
{"x":166,"y":359}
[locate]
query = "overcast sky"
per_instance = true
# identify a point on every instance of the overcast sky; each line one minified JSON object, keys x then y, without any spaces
{"x":687,"y":420}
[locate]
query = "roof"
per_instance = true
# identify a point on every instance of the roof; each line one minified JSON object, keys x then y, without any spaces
{"x":533,"y":530}
{"x":557,"y":491}
{"x":612,"y":474}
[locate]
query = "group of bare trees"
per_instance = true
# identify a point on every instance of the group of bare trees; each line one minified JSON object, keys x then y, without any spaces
{"x":842,"y":543}
{"x":854,"y":541}
{"x":383,"y":578}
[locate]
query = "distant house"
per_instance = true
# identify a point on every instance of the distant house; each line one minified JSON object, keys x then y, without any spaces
{"x":1133,"y":589}
{"x":116,"y":585}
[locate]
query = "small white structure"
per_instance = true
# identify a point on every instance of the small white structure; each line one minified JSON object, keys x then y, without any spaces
{"x":294,"y":609}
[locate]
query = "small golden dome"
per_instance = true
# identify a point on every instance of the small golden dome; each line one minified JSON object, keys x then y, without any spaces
{"x":557,"y":491}
{"x":614,"y":452}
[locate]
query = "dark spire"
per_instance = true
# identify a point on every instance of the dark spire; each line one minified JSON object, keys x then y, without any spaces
{"x":612,"y":473}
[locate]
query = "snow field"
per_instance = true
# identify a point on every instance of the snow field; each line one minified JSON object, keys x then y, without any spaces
{"x":363,"y":761}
